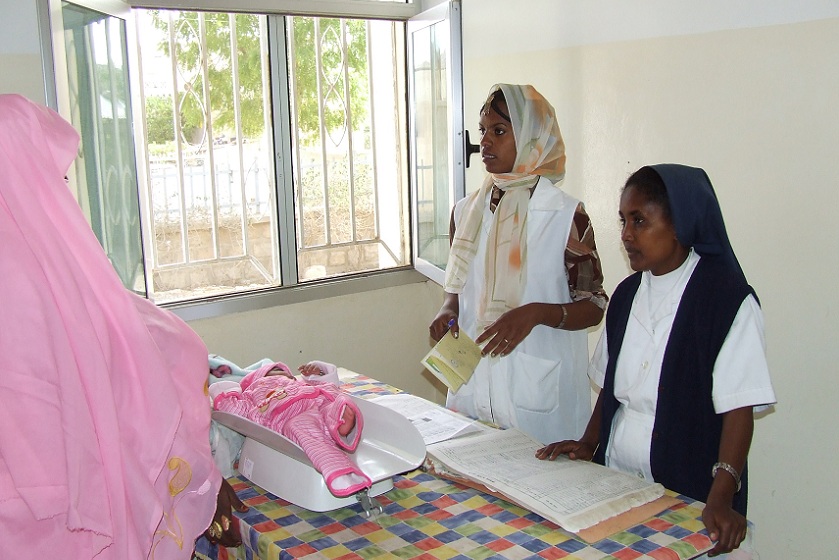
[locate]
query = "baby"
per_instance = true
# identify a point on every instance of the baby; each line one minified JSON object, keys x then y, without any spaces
{"x":313,"y":413}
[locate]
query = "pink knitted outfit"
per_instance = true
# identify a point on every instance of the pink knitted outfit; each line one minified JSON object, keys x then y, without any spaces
{"x":307,"y":414}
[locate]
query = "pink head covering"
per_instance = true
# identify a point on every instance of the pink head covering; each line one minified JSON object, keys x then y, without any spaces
{"x":104,"y":447}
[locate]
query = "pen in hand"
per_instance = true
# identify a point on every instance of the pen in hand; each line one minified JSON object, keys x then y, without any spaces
{"x":451,"y":324}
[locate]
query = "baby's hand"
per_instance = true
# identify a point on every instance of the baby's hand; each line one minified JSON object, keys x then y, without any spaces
{"x":347,"y":421}
{"x":311,"y":369}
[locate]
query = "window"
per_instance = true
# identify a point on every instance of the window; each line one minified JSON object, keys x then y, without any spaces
{"x":437,"y":132}
{"x":271,"y":150}
{"x":254,"y":123}
{"x":96,"y":100}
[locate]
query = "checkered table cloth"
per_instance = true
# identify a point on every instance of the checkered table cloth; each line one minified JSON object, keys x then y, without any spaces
{"x":427,"y":517}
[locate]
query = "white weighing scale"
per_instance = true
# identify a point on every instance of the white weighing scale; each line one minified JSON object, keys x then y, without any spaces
{"x":390,"y":445}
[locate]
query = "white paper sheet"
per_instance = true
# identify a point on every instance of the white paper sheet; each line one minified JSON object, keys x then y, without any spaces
{"x":434,"y":422}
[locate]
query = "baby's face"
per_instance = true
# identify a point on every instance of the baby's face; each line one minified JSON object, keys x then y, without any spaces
{"x":278,"y":371}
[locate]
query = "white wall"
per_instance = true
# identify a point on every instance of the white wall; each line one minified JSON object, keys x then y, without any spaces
{"x":570,"y":23}
{"x":748,"y":91}
{"x":20,"y":50}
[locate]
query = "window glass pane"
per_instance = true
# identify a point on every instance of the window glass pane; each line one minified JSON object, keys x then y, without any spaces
{"x":347,"y":97}
{"x":210,"y":154}
{"x":105,"y":178}
{"x":432,"y":142}
{"x":206,"y":97}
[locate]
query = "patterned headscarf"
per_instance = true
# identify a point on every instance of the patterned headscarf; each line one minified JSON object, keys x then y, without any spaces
{"x":539,"y":152}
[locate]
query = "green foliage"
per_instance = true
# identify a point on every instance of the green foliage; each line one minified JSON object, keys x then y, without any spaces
{"x":330,"y":34}
{"x":218,"y":30}
{"x":108,"y":76}
{"x":306,"y":32}
{"x":160,"y":124}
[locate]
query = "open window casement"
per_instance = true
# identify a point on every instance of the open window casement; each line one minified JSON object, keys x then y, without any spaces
{"x":87,"y":44}
{"x":437,"y":135}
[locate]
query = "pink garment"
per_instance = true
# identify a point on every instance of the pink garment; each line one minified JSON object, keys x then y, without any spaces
{"x":104,"y":447}
{"x":309,"y":414}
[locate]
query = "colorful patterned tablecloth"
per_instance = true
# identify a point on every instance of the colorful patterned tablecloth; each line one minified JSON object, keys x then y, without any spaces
{"x":427,"y":517}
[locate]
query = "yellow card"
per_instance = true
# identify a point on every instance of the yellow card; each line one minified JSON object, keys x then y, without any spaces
{"x":453,"y":360}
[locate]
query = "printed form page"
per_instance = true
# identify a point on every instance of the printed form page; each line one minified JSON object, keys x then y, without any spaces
{"x":573,"y":494}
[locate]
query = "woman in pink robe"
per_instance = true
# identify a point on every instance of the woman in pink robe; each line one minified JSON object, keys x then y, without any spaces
{"x":104,"y":447}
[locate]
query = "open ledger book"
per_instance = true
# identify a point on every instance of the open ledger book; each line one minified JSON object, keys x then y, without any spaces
{"x":573,"y":494}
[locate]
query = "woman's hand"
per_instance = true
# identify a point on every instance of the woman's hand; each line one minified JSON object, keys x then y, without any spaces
{"x":509,"y":330}
{"x":224,"y":530}
{"x":442,"y":323}
{"x":726,"y":527}
{"x":574,"y":449}
{"x":446,"y":318}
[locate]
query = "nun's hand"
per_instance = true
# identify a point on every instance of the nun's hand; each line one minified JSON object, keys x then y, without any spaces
{"x":577,"y":450}
{"x":726,"y":527}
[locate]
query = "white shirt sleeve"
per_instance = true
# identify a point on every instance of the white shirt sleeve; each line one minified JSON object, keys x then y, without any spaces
{"x":599,"y":360}
{"x":741,"y":373}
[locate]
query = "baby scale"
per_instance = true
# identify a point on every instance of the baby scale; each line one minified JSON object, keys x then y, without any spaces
{"x":390,"y":445}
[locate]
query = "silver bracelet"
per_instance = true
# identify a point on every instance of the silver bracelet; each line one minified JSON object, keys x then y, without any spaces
{"x":564,"y":316}
{"x":729,"y":469}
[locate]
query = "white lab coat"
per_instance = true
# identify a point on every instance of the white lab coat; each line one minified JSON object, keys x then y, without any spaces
{"x":541,"y":387}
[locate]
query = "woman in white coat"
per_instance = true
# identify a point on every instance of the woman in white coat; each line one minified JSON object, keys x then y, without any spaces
{"x":523,"y":277}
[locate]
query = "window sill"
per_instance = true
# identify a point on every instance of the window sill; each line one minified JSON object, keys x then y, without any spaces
{"x":300,"y":293}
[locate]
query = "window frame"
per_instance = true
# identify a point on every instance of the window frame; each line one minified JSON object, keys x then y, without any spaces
{"x":54,"y":65}
{"x":51,"y":25}
{"x":447,"y":13}
{"x":364,"y":9}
